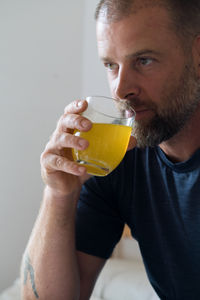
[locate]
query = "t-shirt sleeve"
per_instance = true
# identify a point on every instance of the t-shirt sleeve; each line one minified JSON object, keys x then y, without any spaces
{"x":98,"y":223}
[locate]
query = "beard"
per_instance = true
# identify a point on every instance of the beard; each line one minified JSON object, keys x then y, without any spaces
{"x":176,"y":107}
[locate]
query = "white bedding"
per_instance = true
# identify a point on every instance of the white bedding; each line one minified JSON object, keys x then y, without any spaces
{"x":12,"y":293}
{"x":124,"y":279}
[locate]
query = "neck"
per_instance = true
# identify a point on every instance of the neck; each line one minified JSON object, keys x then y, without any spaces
{"x":183,"y":145}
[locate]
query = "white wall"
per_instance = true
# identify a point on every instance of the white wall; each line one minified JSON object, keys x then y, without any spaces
{"x":94,"y":79}
{"x":40,"y":72}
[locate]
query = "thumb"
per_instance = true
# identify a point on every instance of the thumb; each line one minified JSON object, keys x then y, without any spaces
{"x":132,"y":143}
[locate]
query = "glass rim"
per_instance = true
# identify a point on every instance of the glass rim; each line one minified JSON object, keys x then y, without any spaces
{"x":116,"y":100}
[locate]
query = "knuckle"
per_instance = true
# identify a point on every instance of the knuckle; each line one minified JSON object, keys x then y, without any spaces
{"x":54,"y":138}
{"x":70,"y":121}
{"x":74,"y":106}
{"x":65,"y":123}
{"x":59,"y":162}
{"x":77,"y":121}
{"x":60,"y":122}
{"x":66,"y":139}
{"x":41,"y":158}
{"x":44,"y":159}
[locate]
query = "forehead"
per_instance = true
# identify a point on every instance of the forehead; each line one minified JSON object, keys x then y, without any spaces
{"x":146,"y":27}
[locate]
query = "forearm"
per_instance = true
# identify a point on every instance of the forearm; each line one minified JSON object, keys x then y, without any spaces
{"x":49,"y":267}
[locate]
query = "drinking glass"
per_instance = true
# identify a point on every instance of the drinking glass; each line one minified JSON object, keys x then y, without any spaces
{"x":109,"y":136}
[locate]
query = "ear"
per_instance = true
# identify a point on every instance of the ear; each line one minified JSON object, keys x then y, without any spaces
{"x":196,"y":54}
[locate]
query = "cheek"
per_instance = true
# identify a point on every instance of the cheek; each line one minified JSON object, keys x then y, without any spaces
{"x":112,"y":84}
{"x":153,"y":90}
{"x":169,"y":86}
{"x":159,"y":87}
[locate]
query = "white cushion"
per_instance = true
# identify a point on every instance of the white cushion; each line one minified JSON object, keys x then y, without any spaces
{"x":12,"y":293}
{"x":124,"y":279}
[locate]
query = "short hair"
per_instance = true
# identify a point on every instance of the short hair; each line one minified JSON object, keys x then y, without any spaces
{"x":185,"y":14}
{"x":113,"y":10}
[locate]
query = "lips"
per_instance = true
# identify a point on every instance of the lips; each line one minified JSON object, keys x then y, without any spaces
{"x":142,"y":114}
{"x":141,"y":109}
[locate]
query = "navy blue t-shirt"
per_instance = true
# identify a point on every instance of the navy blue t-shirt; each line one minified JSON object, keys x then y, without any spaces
{"x":160,"y":202}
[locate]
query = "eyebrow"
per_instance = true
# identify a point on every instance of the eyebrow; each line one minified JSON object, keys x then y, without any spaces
{"x":143,"y":52}
{"x":134,"y":55}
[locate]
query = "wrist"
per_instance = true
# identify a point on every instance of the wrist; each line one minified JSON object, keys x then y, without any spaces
{"x":58,"y":210}
{"x":59,"y":201}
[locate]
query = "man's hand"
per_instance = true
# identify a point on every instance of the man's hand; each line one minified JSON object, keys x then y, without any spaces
{"x":59,"y":172}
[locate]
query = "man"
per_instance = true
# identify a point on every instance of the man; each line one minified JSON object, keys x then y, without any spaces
{"x":151,"y":50}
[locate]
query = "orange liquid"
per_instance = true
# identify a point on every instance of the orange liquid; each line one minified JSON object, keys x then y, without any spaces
{"x":107,"y":146}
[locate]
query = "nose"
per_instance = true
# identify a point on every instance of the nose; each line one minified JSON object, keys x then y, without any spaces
{"x":125,"y":84}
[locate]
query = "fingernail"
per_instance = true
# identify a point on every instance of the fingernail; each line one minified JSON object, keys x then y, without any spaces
{"x":84,"y":123}
{"x":79,"y":103}
{"x":81,"y":143}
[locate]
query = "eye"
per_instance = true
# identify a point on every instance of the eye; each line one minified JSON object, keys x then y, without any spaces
{"x":110,"y":66}
{"x":144,"y":61}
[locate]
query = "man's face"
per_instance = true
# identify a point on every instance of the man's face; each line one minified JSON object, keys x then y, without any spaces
{"x":146,"y":64}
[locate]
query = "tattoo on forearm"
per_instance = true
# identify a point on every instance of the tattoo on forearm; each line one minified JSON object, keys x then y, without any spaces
{"x":28,"y":268}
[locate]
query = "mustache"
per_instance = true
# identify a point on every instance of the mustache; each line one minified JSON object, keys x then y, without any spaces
{"x":136,"y":103}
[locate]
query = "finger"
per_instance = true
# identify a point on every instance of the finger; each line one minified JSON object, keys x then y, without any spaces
{"x":66,"y":140}
{"x":53,"y":162}
{"x":74,"y":121}
{"x":132,"y":143}
{"x":75,"y":107}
